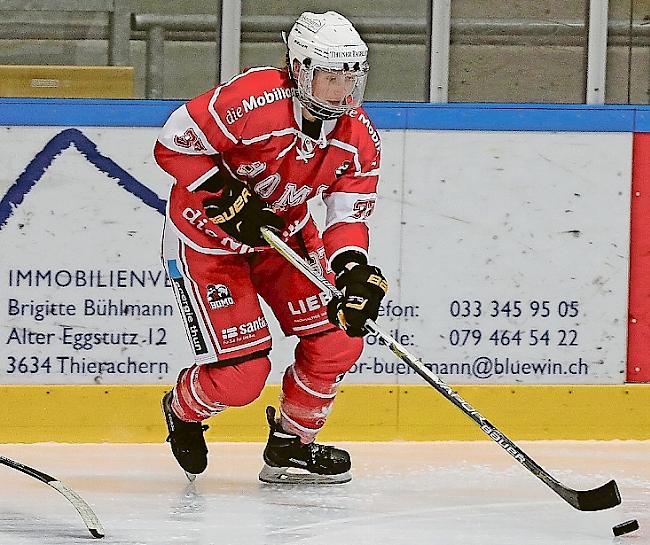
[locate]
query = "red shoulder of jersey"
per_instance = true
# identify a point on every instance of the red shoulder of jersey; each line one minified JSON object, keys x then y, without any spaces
{"x":363,"y":135}
{"x":251,"y":104}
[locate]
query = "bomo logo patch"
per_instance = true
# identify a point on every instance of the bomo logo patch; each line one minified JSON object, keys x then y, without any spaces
{"x":219,"y":296}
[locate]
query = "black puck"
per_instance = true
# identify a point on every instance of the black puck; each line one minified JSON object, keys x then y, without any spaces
{"x":625,"y":527}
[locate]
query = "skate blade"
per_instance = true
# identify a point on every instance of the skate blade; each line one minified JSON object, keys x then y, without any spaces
{"x":291,"y":475}
{"x":190,"y":476}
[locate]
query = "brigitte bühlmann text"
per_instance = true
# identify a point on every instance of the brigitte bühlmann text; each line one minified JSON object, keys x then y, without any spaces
{"x":39,"y":310}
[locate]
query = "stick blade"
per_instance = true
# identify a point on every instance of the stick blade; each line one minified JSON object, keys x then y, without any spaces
{"x":598,"y":499}
{"x":85,"y":511}
{"x":96,"y":533}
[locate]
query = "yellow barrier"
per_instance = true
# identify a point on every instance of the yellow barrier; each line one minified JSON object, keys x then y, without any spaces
{"x":66,"y":81}
{"x":131,"y":414}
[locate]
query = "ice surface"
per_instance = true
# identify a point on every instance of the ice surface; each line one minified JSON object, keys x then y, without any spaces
{"x":446,"y":493}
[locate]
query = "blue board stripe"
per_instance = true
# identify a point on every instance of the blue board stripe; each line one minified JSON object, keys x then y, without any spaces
{"x":642,"y":121}
{"x":86,"y":112}
{"x":521,"y":119}
{"x":385,"y":115}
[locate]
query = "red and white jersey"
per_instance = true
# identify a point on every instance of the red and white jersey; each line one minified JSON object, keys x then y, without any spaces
{"x":253,"y":124}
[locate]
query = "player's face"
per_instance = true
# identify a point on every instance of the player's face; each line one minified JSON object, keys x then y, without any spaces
{"x":333,"y":86}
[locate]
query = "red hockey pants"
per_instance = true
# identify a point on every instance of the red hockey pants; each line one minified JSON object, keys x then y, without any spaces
{"x":218,"y":300}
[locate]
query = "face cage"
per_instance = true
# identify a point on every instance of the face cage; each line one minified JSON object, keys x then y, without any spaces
{"x":325,"y":110}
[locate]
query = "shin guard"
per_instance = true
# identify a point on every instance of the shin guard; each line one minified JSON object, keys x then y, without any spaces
{"x":309,"y":385}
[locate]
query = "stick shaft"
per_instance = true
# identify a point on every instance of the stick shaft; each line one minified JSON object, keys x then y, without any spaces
{"x":401,"y":352}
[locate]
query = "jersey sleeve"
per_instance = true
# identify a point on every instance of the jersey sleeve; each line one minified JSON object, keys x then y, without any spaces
{"x":350,"y":201}
{"x":197,"y":132}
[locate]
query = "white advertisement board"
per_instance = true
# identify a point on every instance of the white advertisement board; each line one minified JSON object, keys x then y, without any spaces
{"x":507,"y":255}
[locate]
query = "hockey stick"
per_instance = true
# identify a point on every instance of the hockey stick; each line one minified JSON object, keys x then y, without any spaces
{"x":596,"y":499}
{"x":87,"y":514}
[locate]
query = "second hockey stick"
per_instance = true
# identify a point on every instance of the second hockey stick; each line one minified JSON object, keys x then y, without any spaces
{"x":596,"y":499}
{"x":87,"y":514}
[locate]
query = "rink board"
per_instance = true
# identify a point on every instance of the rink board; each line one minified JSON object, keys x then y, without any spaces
{"x":522,"y":282}
{"x":131,"y":414}
{"x":504,"y":230}
{"x":490,"y":229}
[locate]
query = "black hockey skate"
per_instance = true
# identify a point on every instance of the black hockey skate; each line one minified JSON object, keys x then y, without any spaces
{"x":187,"y":441}
{"x":288,"y":461}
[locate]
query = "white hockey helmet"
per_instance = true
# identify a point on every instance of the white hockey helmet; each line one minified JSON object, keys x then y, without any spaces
{"x":326,"y":42}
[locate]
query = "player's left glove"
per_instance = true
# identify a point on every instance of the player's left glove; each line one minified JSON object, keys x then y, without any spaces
{"x":363,"y":287}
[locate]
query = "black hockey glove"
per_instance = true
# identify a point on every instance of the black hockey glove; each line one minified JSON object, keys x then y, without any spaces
{"x":241,"y":213}
{"x":363,"y":287}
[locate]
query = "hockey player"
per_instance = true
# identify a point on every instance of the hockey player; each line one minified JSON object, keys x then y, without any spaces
{"x":251,"y":153}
